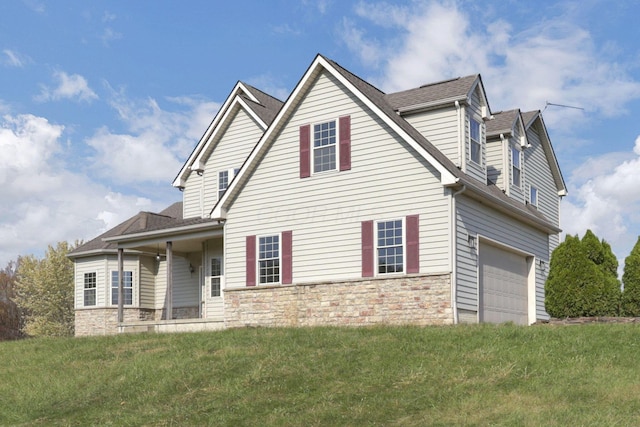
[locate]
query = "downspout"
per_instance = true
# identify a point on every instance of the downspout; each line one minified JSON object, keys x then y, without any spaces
{"x":506,"y":172}
{"x":454,"y":254}
{"x":460,"y":140}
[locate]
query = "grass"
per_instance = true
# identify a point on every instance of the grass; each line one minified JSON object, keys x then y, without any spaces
{"x":476,"y":375}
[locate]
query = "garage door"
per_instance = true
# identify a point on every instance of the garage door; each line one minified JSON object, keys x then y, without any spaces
{"x":503,"y":286}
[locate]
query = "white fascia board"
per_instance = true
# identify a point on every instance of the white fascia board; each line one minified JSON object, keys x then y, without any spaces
{"x":446,"y":177}
{"x":432,"y":104}
{"x":219,"y":210}
{"x":198,"y":163}
{"x":186,"y":168}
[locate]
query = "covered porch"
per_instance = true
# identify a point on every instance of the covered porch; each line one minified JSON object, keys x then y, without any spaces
{"x":178,"y":286}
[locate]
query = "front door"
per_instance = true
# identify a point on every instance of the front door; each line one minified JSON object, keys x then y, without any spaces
{"x":212,"y":289}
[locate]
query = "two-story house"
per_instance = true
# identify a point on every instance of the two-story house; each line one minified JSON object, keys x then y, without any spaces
{"x":341,"y":206}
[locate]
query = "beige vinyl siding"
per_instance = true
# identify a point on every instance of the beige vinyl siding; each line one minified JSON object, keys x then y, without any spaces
{"x":495,"y":163}
{"x":229,"y":152}
{"x":186,"y":286}
{"x":539,"y":175}
{"x":475,"y":218}
{"x":90,"y":265}
{"x":440,"y":127}
{"x":474,"y":110}
{"x":148,"y":267}
{"x":386,"y":181}
{"x":161,"y":284}
{"x":192,"y":196}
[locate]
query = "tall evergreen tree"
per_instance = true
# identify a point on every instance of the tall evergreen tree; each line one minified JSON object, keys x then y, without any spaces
{"x":576,"y":285}
{"x":44,"y":291}
{"x":631,"y":281}
{"x":600,"y":253}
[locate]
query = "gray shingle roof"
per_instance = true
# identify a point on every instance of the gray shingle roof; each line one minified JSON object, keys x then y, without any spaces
{"x":268,"y":106}
{"x":502,"y":122}
{"x":141,"y":222}
{"x":528,"y":117}
{"x":484,"y":191}
{"x":457,"y":88}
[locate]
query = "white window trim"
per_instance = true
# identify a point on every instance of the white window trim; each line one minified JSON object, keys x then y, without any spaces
{"x":337,"y":144}
{"x":211,"y":276}
{"x":133,"y":285}
{"x":231,"y":173}
{"x":404,"y":248}
{"x":515,"y":148}
{"x":480,"y":142}
{"x":258,"y":237}
{"x":94,"y":289}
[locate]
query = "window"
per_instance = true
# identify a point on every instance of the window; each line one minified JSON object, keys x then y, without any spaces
{"x":89,"y":289}
{"x":324,"y":146}
{"x":216,"y":272}
{"x":533,"y":196}
{"x":515,"y":169}
{"x":390,"y":247}
{"x":269,"y":259}
{"x":223,"y":182}
{"x":475,"y":141}
{"x":127,"y":287}
{"x":224,"y":177}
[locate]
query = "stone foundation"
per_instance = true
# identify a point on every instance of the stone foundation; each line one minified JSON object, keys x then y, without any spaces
{"x":418,"y":300}
{"x":104,"y":321}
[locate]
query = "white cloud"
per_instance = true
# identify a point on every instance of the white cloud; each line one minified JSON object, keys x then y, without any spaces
{"x":45,"y":201}
{"x":15,"y":59}
{"x":156,"y":143}
{"x":521,"y":67}
{"x":72,"y":86}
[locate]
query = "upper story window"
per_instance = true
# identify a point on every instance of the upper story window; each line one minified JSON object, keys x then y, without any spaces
{"x":533,"y":196}
{"x":269,"y":259}
{"x":89,"y":289}
{"x":127,"y":287}
{"x":223,"y":182}
{"x":475,"y":141}
{"x":390,"y":247}
{"x":516,"y":167}
{"x":224,"y":178}
{"x":324,"y":146}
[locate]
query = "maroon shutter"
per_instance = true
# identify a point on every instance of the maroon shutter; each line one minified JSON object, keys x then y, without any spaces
{"x":345,"y":143}
{"x":367,"y":249}
{"x":305,"y":151}
{"x":251,"y":260}
{"x":287,"y":259}
{"x":413,"y":244}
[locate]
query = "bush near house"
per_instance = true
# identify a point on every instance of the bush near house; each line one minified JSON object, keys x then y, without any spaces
{"x":631,"y":282}
{"x":581,"y":280}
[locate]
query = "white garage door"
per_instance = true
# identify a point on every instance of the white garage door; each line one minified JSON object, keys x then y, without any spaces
{"x":503,"y":286}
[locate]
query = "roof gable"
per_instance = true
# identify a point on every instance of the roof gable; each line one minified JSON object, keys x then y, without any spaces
{"x":370,"y":96}
{"x":257,"y":104}
{"x":534,"y":119}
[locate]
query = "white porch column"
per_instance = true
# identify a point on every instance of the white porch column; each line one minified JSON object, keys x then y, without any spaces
{"x":169,"y":304}
{"x":120,"y":285}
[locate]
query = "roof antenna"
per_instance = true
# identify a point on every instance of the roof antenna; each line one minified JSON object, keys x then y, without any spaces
{"x":547,"y":103}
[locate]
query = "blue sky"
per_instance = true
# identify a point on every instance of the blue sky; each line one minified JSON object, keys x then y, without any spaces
{"x":101,"y":101}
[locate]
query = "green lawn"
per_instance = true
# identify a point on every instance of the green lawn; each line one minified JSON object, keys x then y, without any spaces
{"x":481,"y":375}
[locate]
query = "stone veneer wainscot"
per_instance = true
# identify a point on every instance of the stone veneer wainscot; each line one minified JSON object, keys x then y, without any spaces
{"x":411,"y":299}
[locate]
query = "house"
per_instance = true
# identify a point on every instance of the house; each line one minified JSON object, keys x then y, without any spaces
{"x":341,"y":206}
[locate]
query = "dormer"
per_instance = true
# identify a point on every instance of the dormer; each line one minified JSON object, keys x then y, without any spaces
{"x":506,"y":144}
{"x":451,"y":114}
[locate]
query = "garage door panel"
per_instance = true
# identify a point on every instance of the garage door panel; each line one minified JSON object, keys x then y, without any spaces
{"x":503,"y":283}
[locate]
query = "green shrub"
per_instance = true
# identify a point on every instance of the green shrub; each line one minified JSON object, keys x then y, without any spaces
{"x":631,"y":281}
